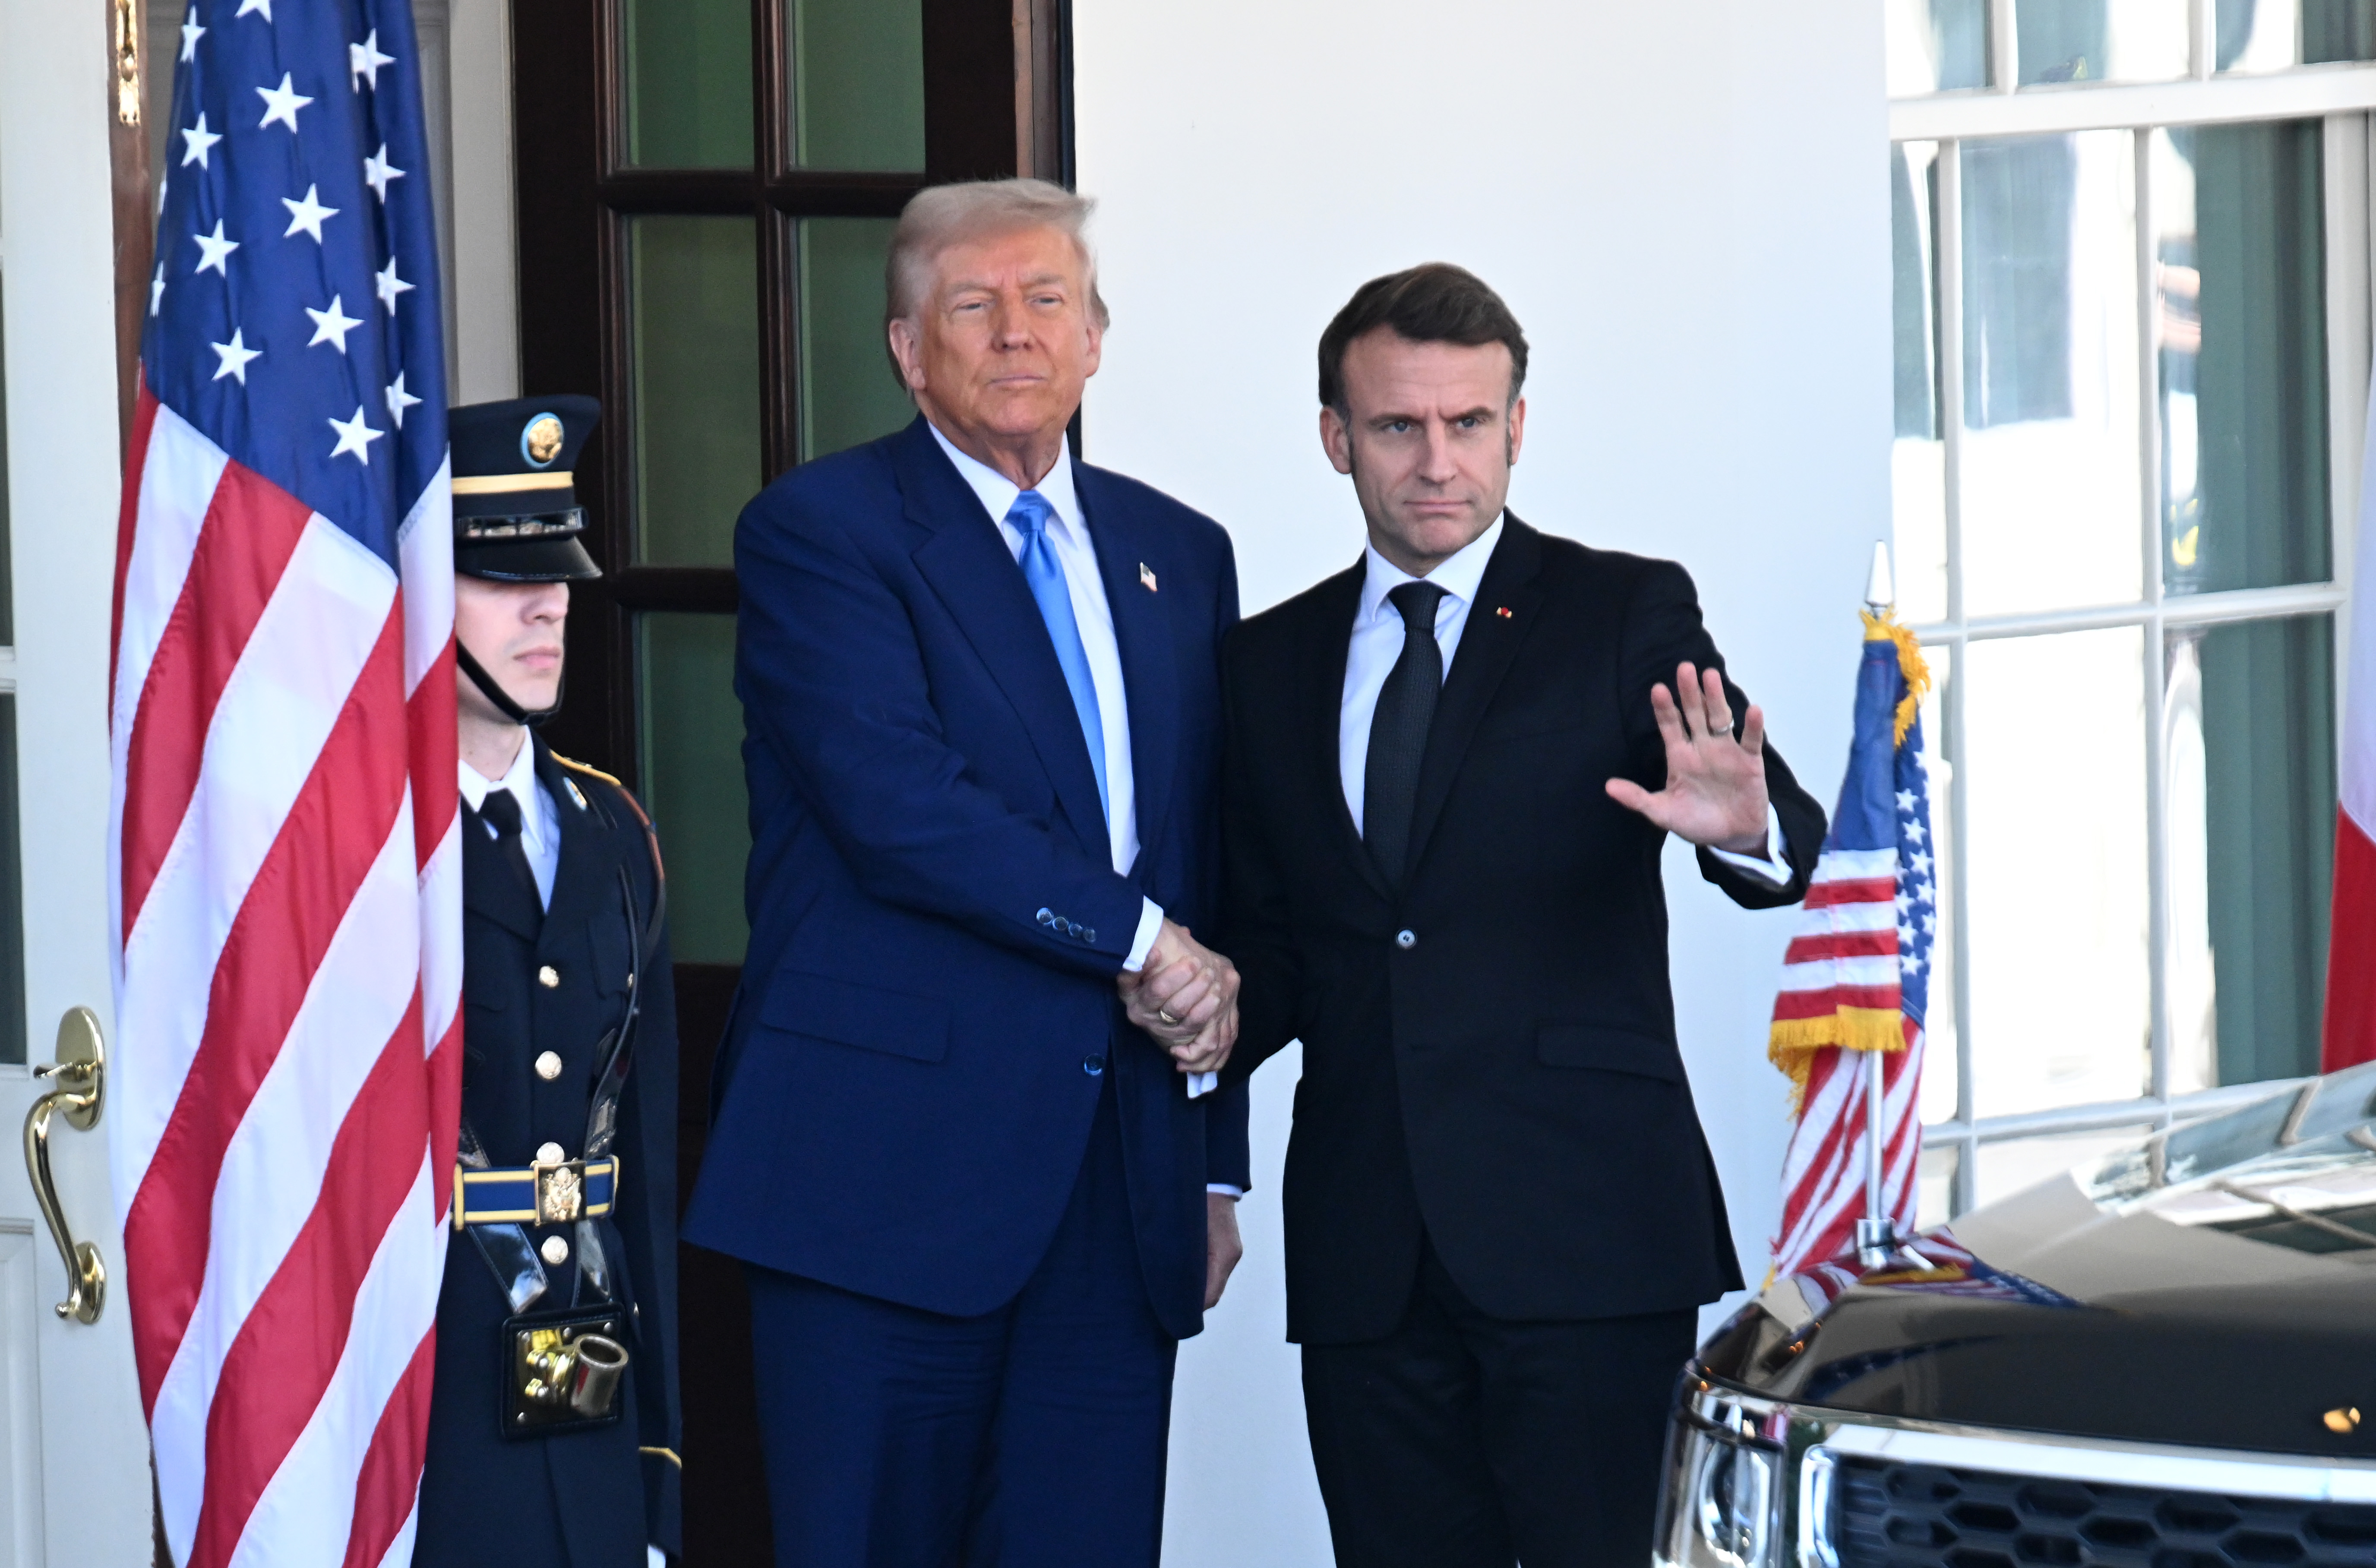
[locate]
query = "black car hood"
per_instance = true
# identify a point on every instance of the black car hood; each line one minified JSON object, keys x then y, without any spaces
{"x":2214,"y":1286}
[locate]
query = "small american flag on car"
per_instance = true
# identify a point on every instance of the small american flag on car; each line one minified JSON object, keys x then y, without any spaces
{"x":1856,"y":981}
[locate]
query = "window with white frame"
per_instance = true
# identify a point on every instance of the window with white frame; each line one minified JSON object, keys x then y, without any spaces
{"x":2132,"y":306}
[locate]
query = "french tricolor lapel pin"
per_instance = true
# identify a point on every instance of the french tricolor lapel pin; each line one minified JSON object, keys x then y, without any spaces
{"x":1147,"y":577}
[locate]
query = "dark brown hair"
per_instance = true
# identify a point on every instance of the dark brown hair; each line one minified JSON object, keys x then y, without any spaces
{"x":1433,"y":303}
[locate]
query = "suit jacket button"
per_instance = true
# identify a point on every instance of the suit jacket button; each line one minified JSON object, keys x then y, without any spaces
{"x":1093,"y":1065}
{"x":1046,"y":917}
{"x":1089,"y":935}
{"x":548,"y":976}
{"x":548,"y":1065}
{"x":1072,"y":928}
{"x":1406,"y":938}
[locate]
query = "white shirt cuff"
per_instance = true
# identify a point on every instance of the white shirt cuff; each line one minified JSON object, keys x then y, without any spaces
{"x":1770,"y":866}
{"x":1150,"y":926}
{"x":1225,"y":1189}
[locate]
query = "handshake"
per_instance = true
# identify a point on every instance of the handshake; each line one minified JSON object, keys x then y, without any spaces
{"x":1186,"y":997}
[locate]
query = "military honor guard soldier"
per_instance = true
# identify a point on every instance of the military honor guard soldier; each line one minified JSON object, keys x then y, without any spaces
{"x":554,"y":1426}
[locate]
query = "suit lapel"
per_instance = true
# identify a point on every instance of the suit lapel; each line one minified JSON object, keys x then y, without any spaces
{"x":965,"y":559}
{"x":1327,"y":646}
{"x":1142,"y":624}
{"x":1488,"y":643}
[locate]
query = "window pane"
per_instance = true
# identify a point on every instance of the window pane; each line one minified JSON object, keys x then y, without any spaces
{"x":2338,"y":29}
{"x":1918,"y":460}
{"x":692,"y":779}
{"x":2248,"y":717}
{"x":1937,"y":45}
{"x":2240,"y":248}
{"x":849,"y":393}
{"x":688,"y":71}
{"x":2056,"y":888}
{"x":2257,"y":35}
{"x":693,"y":292}
{"x":1934,"y":1186}
{"x":2007,"y":1167}
{"x":2100,"y":40}
{"x":858,"y":83}
{"x":2050,"y":495}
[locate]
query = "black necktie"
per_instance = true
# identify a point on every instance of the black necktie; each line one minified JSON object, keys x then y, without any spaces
{"x":1399,"y":731}
{"x":501,"y":811}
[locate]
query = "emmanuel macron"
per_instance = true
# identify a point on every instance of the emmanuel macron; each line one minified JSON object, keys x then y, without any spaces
{"x":980,"y":682}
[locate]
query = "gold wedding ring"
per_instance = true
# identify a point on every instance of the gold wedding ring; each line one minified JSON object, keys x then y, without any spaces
{"x":1165,"y":1013}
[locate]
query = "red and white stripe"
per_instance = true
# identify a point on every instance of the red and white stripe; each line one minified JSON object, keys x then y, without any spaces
{"x":287,"y":885}
{"x":2351,"y":942}
{"x":1846,"y":956}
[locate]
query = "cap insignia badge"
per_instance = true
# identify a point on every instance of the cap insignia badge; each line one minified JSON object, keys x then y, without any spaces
{"x":540,"y":440}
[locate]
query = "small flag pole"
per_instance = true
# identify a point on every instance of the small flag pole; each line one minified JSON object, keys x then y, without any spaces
{"x":1876,"y":1233}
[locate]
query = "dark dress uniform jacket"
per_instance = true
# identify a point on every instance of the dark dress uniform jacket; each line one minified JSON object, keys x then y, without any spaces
{"x":584,"y":1500}
{"x":1489,"y":1050}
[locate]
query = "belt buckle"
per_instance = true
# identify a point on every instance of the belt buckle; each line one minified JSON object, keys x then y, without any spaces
{"x":560,"y":1191}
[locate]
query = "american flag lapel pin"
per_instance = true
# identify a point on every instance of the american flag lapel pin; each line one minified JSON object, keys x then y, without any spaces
{"x":1147,"y":577}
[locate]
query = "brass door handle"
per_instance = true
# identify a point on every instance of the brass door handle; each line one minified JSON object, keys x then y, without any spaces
{"x":80,"y":1073}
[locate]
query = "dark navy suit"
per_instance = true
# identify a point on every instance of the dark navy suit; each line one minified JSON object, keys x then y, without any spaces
{"x":934,"y":1130}
{"x":585,"y":1499}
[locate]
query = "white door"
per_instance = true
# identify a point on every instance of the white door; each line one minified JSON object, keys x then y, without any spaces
{"x":74,"y":1457}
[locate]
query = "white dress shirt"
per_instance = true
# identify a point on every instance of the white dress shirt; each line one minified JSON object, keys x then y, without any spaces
{"x":1378,"y":642}
{"x":539,"y":819}
{"x":1068,"y":534}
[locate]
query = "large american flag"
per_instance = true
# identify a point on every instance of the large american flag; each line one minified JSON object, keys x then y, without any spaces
{"x":283,"y":858}
{"x":1856,"y":983}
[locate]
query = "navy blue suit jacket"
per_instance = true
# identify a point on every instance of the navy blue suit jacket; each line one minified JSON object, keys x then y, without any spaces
{"x":927,"y":1013}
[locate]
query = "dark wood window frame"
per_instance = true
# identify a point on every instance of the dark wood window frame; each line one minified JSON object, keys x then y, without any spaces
{"x":997,"y":101}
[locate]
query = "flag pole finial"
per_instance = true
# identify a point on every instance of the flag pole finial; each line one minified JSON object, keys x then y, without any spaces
{"x":1880,"y":586}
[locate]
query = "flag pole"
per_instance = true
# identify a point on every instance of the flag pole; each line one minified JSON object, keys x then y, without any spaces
{"x":1876,"y":1233}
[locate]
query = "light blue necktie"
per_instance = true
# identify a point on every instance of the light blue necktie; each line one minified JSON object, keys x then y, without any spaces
{"x":1045,"y":574}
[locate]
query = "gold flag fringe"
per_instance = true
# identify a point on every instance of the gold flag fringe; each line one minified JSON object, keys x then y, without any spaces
{"x":1792,"y":1042}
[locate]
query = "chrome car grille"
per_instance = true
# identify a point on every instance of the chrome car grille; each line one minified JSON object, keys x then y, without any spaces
{"x":1892,"y":1513}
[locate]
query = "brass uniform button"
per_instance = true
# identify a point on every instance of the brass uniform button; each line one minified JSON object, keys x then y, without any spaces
{"x":548,"y":976}
{"x":548,"y":1065}
{"x":548,"y":1154}
{"x":556,"y":1251}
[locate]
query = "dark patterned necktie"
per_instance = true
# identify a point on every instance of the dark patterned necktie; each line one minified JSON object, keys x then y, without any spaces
{"x":500,"y":811}
{"x":1399,"y":731}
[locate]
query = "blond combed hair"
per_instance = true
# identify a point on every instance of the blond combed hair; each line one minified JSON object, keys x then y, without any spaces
{"x":941,"y":216}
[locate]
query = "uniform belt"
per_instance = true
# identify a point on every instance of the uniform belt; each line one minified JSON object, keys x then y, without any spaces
{"x":535,"y":1195}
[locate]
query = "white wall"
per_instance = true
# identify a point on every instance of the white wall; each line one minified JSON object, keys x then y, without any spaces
{"x":1686,"y":207}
